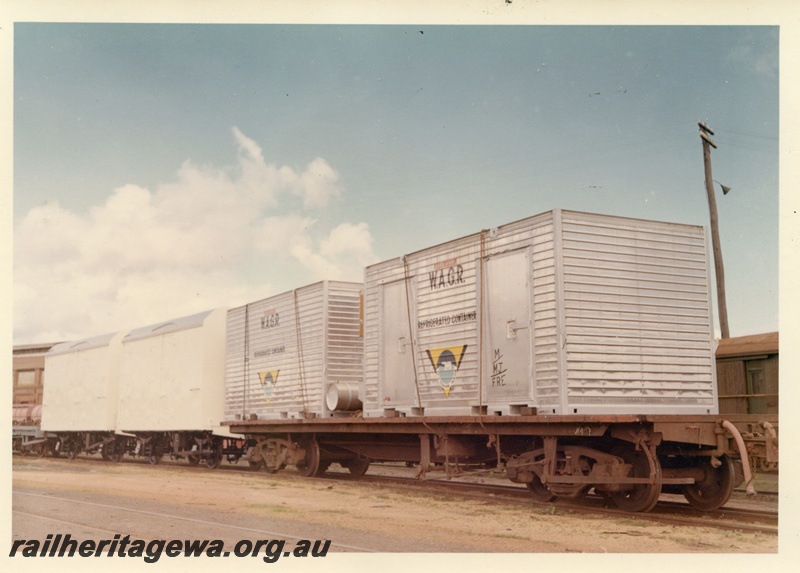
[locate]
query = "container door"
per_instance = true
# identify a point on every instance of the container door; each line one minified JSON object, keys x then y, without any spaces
{"x":507,"y":328}
{"x":397,"y":369}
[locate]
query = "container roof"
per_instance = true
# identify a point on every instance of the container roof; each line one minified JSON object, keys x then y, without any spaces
{"x":175,"y":325}
{"x":615,"y":219}
{"x":81,"y":345}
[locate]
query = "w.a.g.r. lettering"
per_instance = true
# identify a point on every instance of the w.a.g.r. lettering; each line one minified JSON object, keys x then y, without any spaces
{"x":446,"y":274}
{"x":271,"y":319}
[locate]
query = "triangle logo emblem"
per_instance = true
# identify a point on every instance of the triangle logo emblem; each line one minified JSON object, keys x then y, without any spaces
{"x":268,"y":381}
{"x":446,"y":361}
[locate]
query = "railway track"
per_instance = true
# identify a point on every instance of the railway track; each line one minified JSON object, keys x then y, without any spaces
{"x":671,"y":509}
{"x":666,"y":511}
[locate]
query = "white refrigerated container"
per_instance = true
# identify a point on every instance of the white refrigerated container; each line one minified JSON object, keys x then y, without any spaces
{"x":560,"y":313}
{"x":80,"y":390}
{"x":172,"y":375}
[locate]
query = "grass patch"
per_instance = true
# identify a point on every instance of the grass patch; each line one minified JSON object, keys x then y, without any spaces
{"x":270,"y":507}
{"x":510,"y":536}
{"x":546,"y":510}
{"x":629,"y":522}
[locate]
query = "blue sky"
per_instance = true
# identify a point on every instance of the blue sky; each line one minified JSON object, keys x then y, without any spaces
{"x":164,"y":169}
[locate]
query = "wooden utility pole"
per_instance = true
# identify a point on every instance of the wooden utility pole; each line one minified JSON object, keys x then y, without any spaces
{"x":705,"y":131}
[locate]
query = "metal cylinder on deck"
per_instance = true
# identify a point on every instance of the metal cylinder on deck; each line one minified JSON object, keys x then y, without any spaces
{"x":343,"y":397}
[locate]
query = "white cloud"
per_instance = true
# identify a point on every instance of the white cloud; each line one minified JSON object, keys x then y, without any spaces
{"x":277,"y":235}
{"x":342,"y":255}
{"x":247,"y":146}
{"x":349,"y":242}
{"x":213,"y":237}
{"x":319,"y":184}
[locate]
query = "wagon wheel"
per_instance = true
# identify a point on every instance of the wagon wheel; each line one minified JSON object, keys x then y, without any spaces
{"x":193,"y":459}
{"x":156,"y":453}
{"x":105,"y":451}
{"x":539,"y":491}
{"x":273,"y":452}
{"x":257,"y":465}
{"x":643,"y":496}
{"x":714,"y":490}
{"x":40,"y":450}
{"x":310,"y":466}
{"x":214,"y":460}
{"x":115,"y":451}
{"x":270,"y":469}
{"x":357,"y":466}
{"x":250,"y":454}
{"x":70,"y":449}
{"x":273,"y":469}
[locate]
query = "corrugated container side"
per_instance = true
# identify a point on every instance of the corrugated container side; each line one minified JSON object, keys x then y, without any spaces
{"x":279,"y":359}
{"x":442,"y":325}
{"x":574,"y":313}
{"x":545,"y":325}
{"x":375,"y":277}
{"x":82,"y":385}
{"x":344,"y":360}
{"x":172,"y":375}
{"x":236,"y":364}
{"x":445,"y":324}
{"x":637,"y":317}
{"x":283,"y":351}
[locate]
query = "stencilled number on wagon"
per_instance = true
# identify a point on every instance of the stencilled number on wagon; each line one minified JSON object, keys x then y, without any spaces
{"x":583,"y":431}
{"x":498,"y":371}
{"x":270,"y":319}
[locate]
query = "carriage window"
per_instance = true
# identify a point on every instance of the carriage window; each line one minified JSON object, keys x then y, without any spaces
{"x":26,"y":378}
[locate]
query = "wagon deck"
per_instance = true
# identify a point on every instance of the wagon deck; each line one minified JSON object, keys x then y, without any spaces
{"x":472,"y":424}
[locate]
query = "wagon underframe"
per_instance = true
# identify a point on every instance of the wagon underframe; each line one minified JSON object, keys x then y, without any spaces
{"x":627,"y":458}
